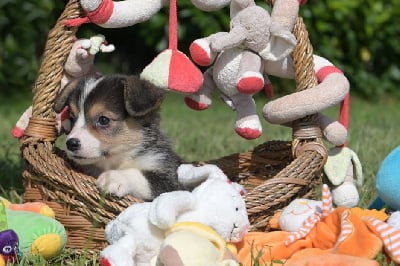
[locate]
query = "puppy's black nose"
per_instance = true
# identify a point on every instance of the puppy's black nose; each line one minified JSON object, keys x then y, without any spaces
{"x":73,"y":144}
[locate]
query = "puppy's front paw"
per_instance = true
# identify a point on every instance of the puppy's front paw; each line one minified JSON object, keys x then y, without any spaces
{"x":112,"y":182}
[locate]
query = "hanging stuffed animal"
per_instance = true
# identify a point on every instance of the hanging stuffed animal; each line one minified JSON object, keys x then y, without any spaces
{"x":332,"y":88}
{"x":239,"y":55}
{"x":79,"y":64}
{"x":171,"y":69}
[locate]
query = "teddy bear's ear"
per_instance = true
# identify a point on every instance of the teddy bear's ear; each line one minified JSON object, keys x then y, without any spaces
{"x":166,"y":208}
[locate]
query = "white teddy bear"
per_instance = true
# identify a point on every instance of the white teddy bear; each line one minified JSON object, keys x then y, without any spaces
{"x":137,"y":234}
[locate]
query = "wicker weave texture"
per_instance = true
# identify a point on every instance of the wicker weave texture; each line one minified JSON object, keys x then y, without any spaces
{"x":273,"y":173}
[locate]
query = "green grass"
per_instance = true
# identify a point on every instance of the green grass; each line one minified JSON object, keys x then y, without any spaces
{"x":204,"y":135}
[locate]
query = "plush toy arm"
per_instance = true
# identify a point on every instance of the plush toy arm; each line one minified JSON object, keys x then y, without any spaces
{"x":333,"y":89}
{"x":118,"y":14}
{"x":332,"y":130}
{"x":119,"y":253}
{"x":285,"y":13}
{"x":223,"y":41}
{"x":357,"y":168}
{"x":63,"y":123}
{"x":165,"y":209}
{"x":191,"y":175}
{"x":208,"y":6}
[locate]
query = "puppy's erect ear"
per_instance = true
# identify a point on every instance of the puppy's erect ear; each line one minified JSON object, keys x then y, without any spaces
{"x":62,"y":97}
{"x":141,"y":99}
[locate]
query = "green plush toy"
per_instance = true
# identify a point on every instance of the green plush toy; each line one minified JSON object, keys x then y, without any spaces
{"x":38,"y":232}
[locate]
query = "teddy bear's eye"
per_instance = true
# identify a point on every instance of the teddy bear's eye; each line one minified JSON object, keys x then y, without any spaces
{"x":237,"y":209}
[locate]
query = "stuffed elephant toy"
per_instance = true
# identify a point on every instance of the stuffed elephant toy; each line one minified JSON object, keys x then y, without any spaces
{"x":255,"y":36}
{"x":270,"y":58}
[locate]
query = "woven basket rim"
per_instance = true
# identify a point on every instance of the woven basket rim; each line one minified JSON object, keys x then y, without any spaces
{"x":54,"y":179}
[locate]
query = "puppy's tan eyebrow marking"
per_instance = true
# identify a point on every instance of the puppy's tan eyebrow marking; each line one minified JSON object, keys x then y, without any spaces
{"x":96,"y":109}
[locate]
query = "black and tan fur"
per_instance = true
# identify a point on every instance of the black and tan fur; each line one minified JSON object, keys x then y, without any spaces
{"x":116,"y":135}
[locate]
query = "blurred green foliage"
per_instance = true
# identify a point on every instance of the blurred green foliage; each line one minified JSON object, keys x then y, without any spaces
{"x":361,"y":37}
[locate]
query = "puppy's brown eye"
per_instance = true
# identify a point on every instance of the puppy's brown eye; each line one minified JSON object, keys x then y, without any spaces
{"x":103,"y":121}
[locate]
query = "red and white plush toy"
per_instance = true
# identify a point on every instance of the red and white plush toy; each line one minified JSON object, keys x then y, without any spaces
{"x":333,"y":88}
{"x":171,"y":69}
{"x":78,"y":64}
{"x":239,"y":55}
{"x":228,"y":73}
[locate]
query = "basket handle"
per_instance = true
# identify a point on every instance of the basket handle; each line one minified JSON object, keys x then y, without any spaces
{"x":42,"y":124}
{"x":306,"y":133}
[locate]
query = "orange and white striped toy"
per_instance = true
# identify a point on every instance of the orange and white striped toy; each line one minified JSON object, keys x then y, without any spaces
{"x":389,"y":235}
{"x":312,"y":220}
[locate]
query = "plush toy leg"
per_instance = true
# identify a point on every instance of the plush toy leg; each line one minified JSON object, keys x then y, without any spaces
{"x":192,"y":176}
{"x":250,"y":77}
{"x":120,"y":253}
{"x":202,"y":98}
{"x":247,"y":123}
{"x":332,"y":130}
{"x":201,"y":52}
{"x":346,"y":195}
{"x":389,"y":235}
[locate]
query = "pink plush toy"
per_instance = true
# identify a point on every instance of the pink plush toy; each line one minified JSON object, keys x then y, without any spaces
{"x":79,"y":64}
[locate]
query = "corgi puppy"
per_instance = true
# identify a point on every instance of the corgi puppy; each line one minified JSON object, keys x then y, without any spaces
{"x":116,"y":136}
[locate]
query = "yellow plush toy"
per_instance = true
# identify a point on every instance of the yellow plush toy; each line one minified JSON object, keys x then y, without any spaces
{"x":192,"y":243}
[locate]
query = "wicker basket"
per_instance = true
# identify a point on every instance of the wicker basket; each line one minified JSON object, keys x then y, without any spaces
{"x":273,"y":173}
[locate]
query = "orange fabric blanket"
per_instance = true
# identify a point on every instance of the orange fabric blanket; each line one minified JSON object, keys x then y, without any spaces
{"x":342,"y":232}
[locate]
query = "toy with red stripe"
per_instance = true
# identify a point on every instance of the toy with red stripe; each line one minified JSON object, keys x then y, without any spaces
{"x":236,"y":58}
{"x":333,"y":89}
{"x":311,"y":221}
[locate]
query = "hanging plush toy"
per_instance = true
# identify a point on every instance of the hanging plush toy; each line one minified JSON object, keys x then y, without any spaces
{"x":343,"y":167}
{"x":239,"y":55}
{"x":227,"y":72}
{"x":78,"y":64}
{"x":171,"y":69}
